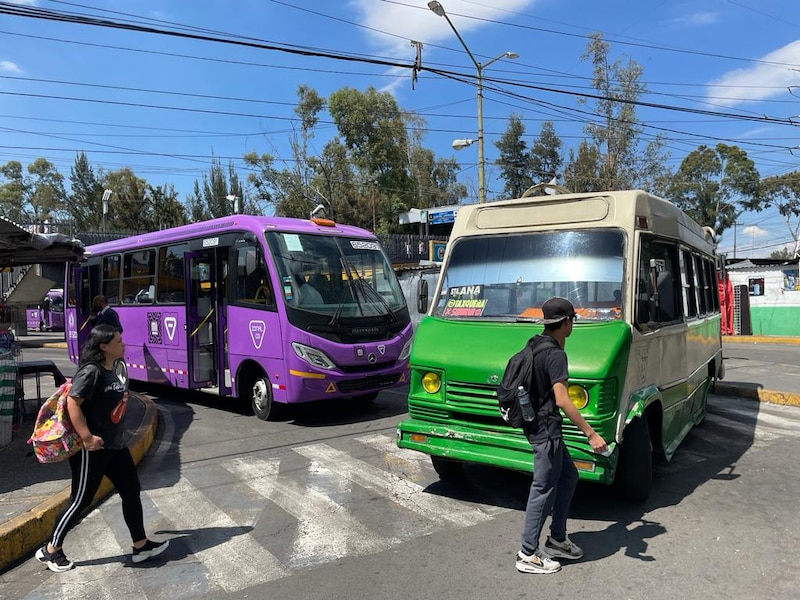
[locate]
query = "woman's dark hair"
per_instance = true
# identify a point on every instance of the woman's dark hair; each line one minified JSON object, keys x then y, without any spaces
{"x":91,"y":352}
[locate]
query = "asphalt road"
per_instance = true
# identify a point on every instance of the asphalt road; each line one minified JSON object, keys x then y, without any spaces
{"x":324,"y":506}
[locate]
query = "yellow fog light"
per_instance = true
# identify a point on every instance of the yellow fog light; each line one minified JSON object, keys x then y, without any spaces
{"x":584,"y":465}
{"x":431,"y":382}
{"x":579,"y":396}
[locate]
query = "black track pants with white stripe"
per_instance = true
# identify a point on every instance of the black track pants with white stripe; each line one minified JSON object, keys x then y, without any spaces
{"x":88,"y":469}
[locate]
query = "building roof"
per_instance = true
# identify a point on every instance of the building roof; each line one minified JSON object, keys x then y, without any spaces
{"x":18,"y":246}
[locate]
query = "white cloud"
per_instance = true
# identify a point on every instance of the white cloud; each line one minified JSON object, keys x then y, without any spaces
{"x":699,"y":19}
{"x":402,"y":24}
{"x":760,"y":81}
{"x":23,"y":2}
{"x":10,"y":67}
{"x":754,"y":231}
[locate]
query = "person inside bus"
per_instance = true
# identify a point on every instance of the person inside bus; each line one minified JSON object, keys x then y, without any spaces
{"x":555,"y":475}
{"x":104,"y":314}
{"x":306,"y":293}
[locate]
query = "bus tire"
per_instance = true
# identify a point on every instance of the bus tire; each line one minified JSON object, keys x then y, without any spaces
{"x":446,"y":469}
{"x":634,"y":476}
{"x":258,"y":390}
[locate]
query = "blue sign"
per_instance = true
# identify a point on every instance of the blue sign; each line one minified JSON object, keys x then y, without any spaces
{"x":441,"y":217}
{"x":437,"y":251}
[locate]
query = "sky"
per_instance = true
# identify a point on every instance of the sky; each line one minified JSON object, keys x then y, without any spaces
{"x":224,"y":84}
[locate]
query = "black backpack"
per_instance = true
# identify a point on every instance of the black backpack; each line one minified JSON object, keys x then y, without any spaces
{"x":519,"y":372}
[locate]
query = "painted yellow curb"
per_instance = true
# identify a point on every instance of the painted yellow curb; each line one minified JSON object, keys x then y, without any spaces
{"x":754,"y":391}
{"x":25,"y":533}
{"x":760,"y":339}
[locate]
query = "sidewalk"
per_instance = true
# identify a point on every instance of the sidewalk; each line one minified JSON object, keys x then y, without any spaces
{"x":32,"y":494}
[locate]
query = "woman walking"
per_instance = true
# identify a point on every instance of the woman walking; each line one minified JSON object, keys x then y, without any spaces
{"x":96,"y":406}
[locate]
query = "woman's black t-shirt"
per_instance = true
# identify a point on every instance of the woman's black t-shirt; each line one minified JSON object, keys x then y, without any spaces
{"x":549,"y":367}
{"x":102,"y":394}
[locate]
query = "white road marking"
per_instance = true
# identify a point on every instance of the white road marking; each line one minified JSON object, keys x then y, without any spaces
{"x":326,"y":531}
{"x":235,"y":561}
{"x":403,"y":492}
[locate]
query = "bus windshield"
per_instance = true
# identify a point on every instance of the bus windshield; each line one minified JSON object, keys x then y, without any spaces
{"x":508,"y":277}
{"x":337,"y":277}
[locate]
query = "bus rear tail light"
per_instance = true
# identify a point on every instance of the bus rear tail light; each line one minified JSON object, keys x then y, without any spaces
{"x":314,"y":357}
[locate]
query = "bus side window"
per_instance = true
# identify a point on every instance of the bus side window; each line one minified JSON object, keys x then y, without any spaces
{"x":252,"y":279}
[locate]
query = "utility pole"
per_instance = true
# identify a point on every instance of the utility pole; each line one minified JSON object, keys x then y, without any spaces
{"x":735,"y":225}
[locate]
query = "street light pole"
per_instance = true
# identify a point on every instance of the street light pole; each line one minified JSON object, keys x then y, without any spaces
{"x":438,"y":10}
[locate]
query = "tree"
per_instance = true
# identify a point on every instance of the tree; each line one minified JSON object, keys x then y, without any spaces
{"x":617,"y":136}
{"x":47,"y":194}
{"x":129,"y":207}
{"x":783,"y":193}
{"x":84,"y":204}
{"x":545,"y":155}
{"x":169,"y":212}
{"x":516,"y":169}
{"x":582,"y":173}
{"x":14,"y":192}
{"x":713,"y":186}
{"x":212,"y":199}
{"x":783,"y":254}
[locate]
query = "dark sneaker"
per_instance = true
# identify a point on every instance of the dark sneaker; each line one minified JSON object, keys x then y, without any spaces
{"x":149,"y":550}
{"x":566,"y":549}
{"x":537,"y":563}
{"x":56,"y":561}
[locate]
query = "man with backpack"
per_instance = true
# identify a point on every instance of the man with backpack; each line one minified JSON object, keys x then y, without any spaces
{"x":554,"y":473}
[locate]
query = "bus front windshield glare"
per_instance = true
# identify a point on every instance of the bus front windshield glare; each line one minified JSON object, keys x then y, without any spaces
{"x":335,"y":276}
{"x":509,"y":277}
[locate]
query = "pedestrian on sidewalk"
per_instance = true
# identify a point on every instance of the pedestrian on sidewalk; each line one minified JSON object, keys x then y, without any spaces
{"x":554,"y":473}
{"x":105,"y":315}
{"x":96,"y":405}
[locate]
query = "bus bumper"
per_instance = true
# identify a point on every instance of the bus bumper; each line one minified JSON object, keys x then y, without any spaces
{"x":506,"y":449}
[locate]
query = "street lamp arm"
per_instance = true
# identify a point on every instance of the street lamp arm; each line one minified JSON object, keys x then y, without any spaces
{"x":438,"y":9}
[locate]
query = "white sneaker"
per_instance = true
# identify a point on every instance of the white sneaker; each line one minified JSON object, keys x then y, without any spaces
{"x":566,"y":549}
{"x":538,"y":563}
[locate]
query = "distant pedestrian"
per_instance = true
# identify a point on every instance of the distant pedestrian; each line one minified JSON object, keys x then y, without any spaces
{"x":104,"y":314}
{"x":96,"y":405}
{"x":554,"y":473}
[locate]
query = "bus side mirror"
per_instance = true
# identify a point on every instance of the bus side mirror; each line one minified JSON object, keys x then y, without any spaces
{"x":422,"y":296}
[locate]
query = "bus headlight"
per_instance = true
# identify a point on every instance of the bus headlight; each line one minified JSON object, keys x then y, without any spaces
{"x":579,"y":396}
{"x":406,"y":351}
{"x":314,"y":357}
{"x":431,"y":382}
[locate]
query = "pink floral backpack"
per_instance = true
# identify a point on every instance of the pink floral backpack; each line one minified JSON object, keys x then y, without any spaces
{"x":54,"y":438}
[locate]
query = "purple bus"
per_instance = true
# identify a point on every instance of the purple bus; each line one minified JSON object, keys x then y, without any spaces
{"x":49,"y":315}
{"x":272,"y":310}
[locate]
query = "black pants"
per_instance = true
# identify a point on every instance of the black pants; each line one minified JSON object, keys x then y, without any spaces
{"x":88,"y":469}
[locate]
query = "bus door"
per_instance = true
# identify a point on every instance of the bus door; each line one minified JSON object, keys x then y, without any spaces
{"x":83,"y":304}
{"x":201,"y":319}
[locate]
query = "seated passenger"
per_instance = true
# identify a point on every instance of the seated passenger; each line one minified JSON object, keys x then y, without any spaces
{"x":307,"y":294}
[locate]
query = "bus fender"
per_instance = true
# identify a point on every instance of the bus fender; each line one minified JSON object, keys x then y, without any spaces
{"x":638,"y":402}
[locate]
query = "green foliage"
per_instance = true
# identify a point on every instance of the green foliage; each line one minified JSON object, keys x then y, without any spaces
{"x":84,"y":204}
{"x":783,"y":193}
{"x":713,"y":186}
{"x":618,"y":157}
{"x":516,"y":169}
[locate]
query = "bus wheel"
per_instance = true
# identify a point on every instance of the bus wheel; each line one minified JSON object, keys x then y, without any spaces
{"x":634,"y":476}
{"x":260,"y":390}
{"x":446,"y":469}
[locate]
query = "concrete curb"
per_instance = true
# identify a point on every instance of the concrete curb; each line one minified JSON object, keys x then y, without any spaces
{"x":754,"y":391}
{"x":759,"y":339}
{"x":21,"y":536}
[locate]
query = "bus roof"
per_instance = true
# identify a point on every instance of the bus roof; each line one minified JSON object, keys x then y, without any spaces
{"x":223,"y":224}
{"x":627,"y":209}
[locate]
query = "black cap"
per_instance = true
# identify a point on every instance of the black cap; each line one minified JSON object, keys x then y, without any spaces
{"x":556,"y":310}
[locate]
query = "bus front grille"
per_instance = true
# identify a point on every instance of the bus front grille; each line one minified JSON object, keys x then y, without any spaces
{"x":368,"y":383}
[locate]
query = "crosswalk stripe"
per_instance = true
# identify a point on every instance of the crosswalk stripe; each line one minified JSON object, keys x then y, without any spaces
{"x":759,"y":434}
{"x":96,"y":545}
{"x":401,"y":491}
{"x":326,"y":530}
{"x":234,"y":560}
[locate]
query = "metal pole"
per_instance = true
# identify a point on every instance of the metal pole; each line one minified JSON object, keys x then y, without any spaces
{"x":481,"y":165}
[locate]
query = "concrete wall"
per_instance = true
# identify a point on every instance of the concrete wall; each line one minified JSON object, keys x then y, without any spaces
{"x":777,"y":311}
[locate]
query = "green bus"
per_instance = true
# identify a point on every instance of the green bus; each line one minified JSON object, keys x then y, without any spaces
{"x":644,"y":351}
